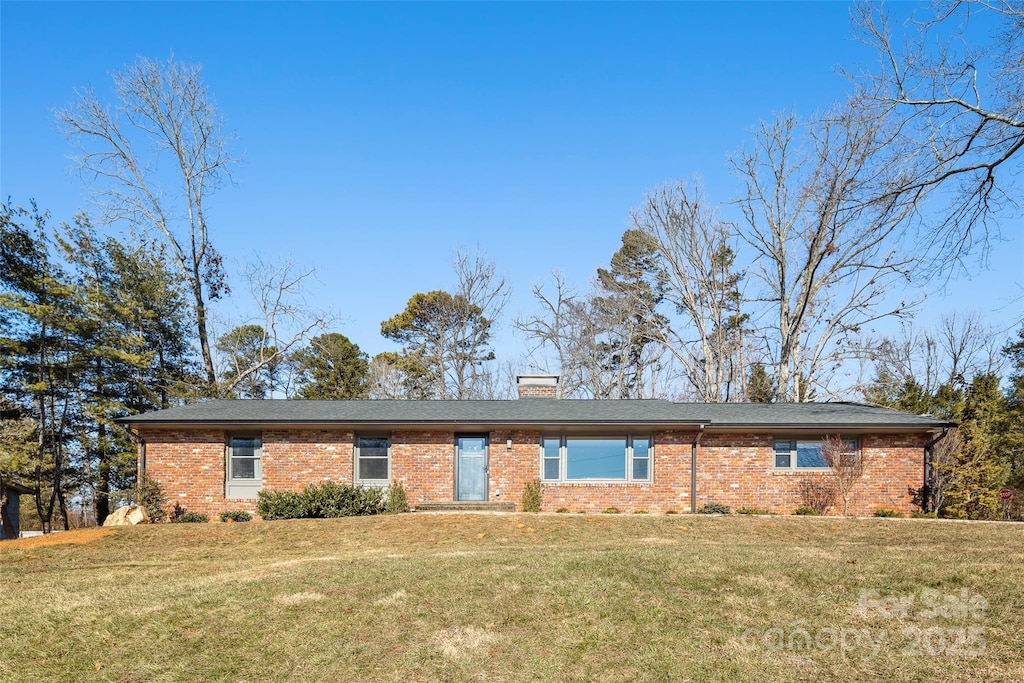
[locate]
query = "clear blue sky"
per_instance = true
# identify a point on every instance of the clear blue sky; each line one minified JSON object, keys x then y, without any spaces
{"x":379,"y":138}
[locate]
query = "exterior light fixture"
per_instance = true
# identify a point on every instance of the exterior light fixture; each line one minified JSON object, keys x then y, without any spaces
{"x":508,"y":444}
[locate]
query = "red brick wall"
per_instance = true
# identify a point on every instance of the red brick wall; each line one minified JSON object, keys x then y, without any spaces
{"x":537,"y":391}
{"x":293,"y":459}
{"x":734,"y":469}
{"x":189,"y":466}
{"x":511,"y":470}
{"x":737,"y":470}
{"x":425,"y":462}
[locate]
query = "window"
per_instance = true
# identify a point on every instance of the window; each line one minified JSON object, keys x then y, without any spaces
{"x":641,"y":458}
{"x":552,"y":457}
{"x":596,"y":458}
{"x":372,"y":460}
{"x":803,"y":454}
{"x":244,"y":466}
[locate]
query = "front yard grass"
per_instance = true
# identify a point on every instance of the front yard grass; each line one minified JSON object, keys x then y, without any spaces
{"x":457,"y":597}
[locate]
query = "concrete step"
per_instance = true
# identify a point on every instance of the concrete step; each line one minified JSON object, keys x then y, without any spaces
{"x":467,"y":505}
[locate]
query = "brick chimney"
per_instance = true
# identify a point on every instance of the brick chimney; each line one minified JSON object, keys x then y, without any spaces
{"x":537,"y":386}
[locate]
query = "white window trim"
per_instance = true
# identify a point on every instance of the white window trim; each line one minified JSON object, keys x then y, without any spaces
{"x":563,"y":459}
{"x":382,"y":483}
{"x":793,"y":451}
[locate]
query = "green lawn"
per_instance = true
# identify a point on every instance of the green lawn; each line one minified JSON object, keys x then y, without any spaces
{"x":519,"y":597}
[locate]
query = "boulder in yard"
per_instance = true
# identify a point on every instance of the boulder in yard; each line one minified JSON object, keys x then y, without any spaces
{"x":128,"y":515}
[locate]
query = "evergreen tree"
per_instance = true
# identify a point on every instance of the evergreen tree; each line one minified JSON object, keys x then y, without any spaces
{"x":447,"y":336}
{"x":133,"y":349}
{"x":632,"y":290}
{"x":975,"y":472}
{"x":332,"y":367}
{"x":1010,"y":433}
{"x":94,"y":329}
{"x":40,"y":349}
{"x":760,"y":385}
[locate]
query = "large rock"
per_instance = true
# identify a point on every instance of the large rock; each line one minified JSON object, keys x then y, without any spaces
{"x":129,"y":515}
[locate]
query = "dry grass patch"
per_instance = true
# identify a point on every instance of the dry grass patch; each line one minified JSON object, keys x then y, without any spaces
{"x":76,"y":537}
{"x":510,"y":598}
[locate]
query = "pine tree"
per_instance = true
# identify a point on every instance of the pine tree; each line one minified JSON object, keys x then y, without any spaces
{"x":331,"y":367}
{"x":760,"y":385}
{"x":976,"y":471}
{"x":633,"y":289}
{"x":1010,"y":430}
{"x":447,"y":336}
{"x":134,"y":314}
{"x":40,"y":349}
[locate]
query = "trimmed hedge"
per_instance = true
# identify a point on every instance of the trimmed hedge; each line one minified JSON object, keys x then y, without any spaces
{"x":235,"y":516}
{"x":191,"y":518}
{"x":319,"y":501}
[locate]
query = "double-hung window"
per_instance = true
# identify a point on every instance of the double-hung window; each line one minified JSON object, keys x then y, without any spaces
{"x":596,"y":458}
{"x":373,"y":460}
{"x":244,"y":466}
{"x":804,"y":454}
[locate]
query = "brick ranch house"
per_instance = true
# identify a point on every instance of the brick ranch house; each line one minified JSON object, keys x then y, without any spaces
{"x":651,"y":455}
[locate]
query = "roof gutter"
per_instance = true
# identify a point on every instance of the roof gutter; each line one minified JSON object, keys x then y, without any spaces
{"x":926,"y":488}
{"x":693,"y":467}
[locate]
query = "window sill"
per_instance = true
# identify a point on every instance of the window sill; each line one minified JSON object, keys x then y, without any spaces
{"x":801,"y":470}
{"x":373,"y":483}
{"x":594,"y":482}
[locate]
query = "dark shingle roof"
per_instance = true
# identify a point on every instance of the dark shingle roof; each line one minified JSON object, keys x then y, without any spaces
{"x":537,"y":411}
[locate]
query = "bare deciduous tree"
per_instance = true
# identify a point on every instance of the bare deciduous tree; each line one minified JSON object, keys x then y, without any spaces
{"x":847,"y":463}
{"x":563,"y":329}
{"x":827,"y":251}
{"x":953,"y":81}
{"x":581,"y":337}
{"x":153,"y":160}
{"x":942,"y":467}
{"x":695,"y":251}
{"x":284,"y":322}
{"x":478,"y":287}
{"x":398,"y":376}
{"x":962,"y":346}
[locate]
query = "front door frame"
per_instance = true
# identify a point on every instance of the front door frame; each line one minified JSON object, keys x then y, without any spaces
{"x":487,"y":463}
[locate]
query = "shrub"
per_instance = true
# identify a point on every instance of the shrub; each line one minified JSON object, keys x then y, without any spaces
{"x":562,"y":510}
{"x":753,"y":511}
{"x":324,"y":500}
{"x":671,"y":512}
{"x":151,"y":497}
{"x":190,"y":518}
{"x":533,"y":496}
{"x":806,"y":510}
{"x":639,"y":512}
{"x":235,"y":516}
{"x":610,"y":511}
{"x":923,"y":515}
{"x":280,"y":504}
{"x":715,"y":509}
{"x":329,"y":500}
{"x":882,"y":512}
{"x":818,"y":493}
{"x":397,"y":501}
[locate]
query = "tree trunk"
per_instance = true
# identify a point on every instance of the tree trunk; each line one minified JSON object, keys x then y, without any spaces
{"x":204,"y":340}
{"x":102,"y":477}
{"x":5,"y":519}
